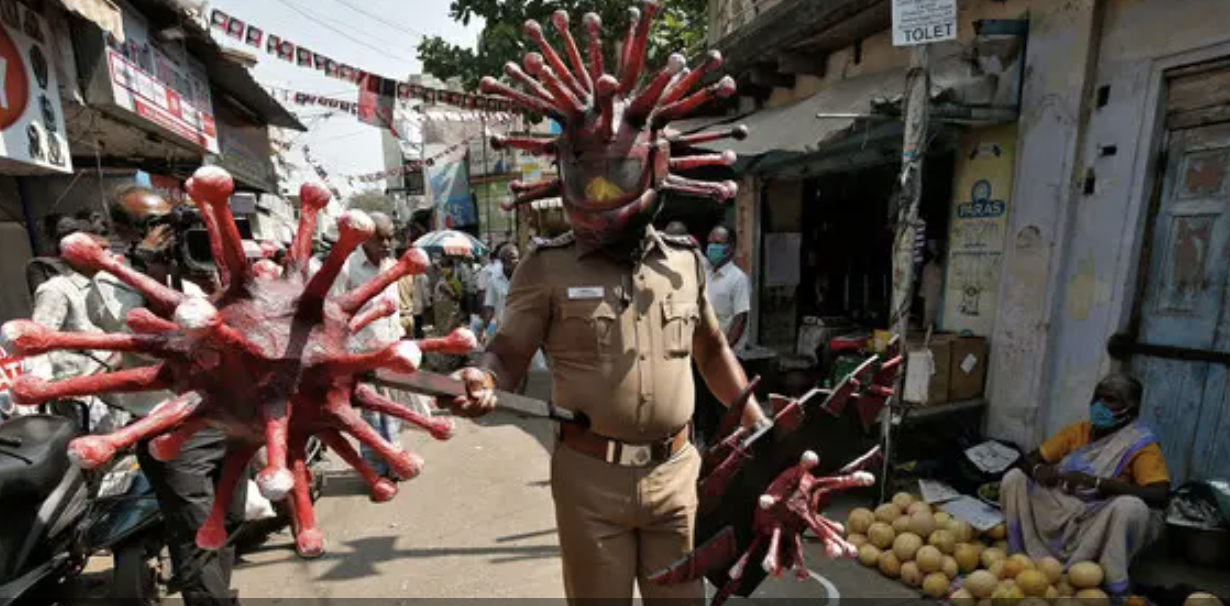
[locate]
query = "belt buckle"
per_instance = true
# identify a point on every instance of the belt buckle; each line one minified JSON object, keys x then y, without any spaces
{"x":635,"y":455}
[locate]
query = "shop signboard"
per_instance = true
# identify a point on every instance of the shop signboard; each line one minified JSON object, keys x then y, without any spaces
{"x":12,"y":366}
{"x":448,"y":186}
{"x":31,"y":117}
{"x":246,"y":151}
{"x":155,"y":84}
{"x":924,"y":21}
{"x":977,"y":230}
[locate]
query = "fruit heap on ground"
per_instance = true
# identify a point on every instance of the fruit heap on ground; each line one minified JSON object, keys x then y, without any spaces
{"x":946,"y":558}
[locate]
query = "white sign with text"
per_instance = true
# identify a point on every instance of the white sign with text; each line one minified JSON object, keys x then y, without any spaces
{"x":924,"y":21}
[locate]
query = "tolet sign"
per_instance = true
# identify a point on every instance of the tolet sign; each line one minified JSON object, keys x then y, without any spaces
{"x":924,"y":21}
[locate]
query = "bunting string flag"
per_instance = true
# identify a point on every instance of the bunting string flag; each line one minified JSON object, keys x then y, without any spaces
{"x":415,"y":165}
{"x":417,"y":113}
{"x":380,"y":90}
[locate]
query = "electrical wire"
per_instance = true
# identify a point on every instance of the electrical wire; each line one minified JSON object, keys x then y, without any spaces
{"x":343,"y":33}
{"x":339,"y":137}
{"x":382,"y":19}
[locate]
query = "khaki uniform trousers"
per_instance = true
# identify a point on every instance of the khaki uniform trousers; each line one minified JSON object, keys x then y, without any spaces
{"x":619,"y":524}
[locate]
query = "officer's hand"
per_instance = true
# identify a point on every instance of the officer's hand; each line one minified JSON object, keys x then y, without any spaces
{"x":753,"y":414}
{"x":480,"y":393}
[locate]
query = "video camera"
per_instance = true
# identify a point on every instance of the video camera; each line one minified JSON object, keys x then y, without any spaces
{"x":189,"y":245}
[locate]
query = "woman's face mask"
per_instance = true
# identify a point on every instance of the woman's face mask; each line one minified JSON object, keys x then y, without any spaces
{"x":1103,"y":416}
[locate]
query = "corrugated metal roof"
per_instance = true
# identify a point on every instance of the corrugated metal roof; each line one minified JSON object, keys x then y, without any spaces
{"x":795,"y":127}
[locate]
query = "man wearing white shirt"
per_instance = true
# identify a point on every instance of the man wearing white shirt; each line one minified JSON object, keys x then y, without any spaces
{"x":487,"y":274}
{"x":372,"y":258}
{"x":497,"y":288}
{"x":729,"y":288}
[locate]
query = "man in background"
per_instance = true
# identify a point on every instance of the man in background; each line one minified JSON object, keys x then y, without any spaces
{"x":489,"y":271}
{"x":372,"y":258}
{"x":497,"y":290}
{"x":729,"y":288}
{"x":730,"y":297}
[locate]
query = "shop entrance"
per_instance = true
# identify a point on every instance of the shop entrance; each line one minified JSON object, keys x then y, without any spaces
{"x":849,"y":227}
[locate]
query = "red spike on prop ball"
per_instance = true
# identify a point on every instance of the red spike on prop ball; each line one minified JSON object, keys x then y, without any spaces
{"x":270,"y":363}
{"x":313,"y":198}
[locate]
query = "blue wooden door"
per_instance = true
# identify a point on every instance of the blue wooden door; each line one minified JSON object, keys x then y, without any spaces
{"x":1185,"y":304}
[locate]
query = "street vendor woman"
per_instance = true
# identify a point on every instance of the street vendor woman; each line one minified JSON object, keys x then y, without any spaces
{"x":621,"y":314}
{"x":1094,"y":490}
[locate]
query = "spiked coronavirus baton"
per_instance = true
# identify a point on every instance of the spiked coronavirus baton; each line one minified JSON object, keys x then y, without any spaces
{"x":266,"y":359}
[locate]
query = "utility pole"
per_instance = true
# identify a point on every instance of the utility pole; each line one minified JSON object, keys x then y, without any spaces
{"x":913,"y":149}
{"x":487,"y":204}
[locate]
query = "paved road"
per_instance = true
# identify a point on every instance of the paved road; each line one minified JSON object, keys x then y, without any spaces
{"x":478,"y":522}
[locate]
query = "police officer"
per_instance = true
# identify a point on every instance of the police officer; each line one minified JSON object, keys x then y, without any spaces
{"x":185,"y":485}
{"x":622,"y":313}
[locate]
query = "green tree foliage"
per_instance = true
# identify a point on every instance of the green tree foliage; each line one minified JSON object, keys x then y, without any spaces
{"x":680,"y":27}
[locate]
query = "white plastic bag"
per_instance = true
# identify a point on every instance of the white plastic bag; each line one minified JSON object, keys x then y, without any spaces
{"x":257,"y":507}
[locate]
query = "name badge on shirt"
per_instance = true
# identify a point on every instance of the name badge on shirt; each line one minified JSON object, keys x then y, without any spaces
{"x":586,"y":292}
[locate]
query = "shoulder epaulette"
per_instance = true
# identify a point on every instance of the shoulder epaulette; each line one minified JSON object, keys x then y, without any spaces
{"x":559,"y":242}
{"x":684,"y":241}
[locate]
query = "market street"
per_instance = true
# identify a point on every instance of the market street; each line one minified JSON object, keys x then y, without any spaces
{"x":479,"y":522}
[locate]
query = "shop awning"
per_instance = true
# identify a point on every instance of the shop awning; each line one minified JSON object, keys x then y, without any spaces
{"x":795,"y":129}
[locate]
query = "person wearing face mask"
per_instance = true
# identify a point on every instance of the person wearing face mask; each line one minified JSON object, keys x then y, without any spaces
{"x":729,"y":288}
{"x":1095,"y":490}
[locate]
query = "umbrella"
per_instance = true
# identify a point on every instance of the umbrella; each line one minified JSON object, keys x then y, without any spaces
{"x":452,"y":243}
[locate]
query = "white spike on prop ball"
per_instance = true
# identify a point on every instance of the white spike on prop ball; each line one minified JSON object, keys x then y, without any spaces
{"x":195,"y":315}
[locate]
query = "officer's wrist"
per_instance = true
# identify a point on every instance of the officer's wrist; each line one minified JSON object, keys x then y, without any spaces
{"x":490,"y":378}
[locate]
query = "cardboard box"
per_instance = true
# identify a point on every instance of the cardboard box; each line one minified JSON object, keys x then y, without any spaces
{"x":928,"y":371}
{"x":968,"y":371}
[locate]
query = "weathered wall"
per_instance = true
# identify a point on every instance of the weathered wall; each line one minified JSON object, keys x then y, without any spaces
{"x":1061,"y":49}
{"x":1096,"y":286}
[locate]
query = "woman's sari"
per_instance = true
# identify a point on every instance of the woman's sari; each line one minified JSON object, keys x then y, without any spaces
{"x":1049,"y":522}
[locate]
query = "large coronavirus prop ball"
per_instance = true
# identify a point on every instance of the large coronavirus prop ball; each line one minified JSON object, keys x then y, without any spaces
{"x":614,"y":153}
{"x":269,"y":359}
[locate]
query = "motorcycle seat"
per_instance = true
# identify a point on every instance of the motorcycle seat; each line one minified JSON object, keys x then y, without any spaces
{"x":33,"y":469}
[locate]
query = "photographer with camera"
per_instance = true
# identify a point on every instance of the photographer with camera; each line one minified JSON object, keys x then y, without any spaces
{"x":165,"y":243}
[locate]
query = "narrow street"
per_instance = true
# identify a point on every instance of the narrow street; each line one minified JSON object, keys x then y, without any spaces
{"x":478,"y":522}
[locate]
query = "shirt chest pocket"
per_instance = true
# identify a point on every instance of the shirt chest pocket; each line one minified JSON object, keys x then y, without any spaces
{"x":678,"y":324}
{"x":587,"y":329}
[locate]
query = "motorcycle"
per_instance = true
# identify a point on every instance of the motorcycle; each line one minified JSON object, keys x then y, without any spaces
{"x":124,"y":519}
{"x":57,"y":516}
{"x":43,"y":498}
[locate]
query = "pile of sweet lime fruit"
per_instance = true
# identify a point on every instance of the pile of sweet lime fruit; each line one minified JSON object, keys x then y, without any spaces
{"x":930,"y":550}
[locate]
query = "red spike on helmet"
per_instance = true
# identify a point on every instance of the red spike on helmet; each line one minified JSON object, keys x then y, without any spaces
{"x":612,"y":152}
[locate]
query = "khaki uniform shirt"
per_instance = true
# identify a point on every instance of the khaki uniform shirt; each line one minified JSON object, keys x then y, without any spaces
{"x":619,"y":336}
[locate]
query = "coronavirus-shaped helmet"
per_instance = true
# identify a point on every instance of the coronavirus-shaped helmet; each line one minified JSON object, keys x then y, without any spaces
{"x":615,"y":152}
